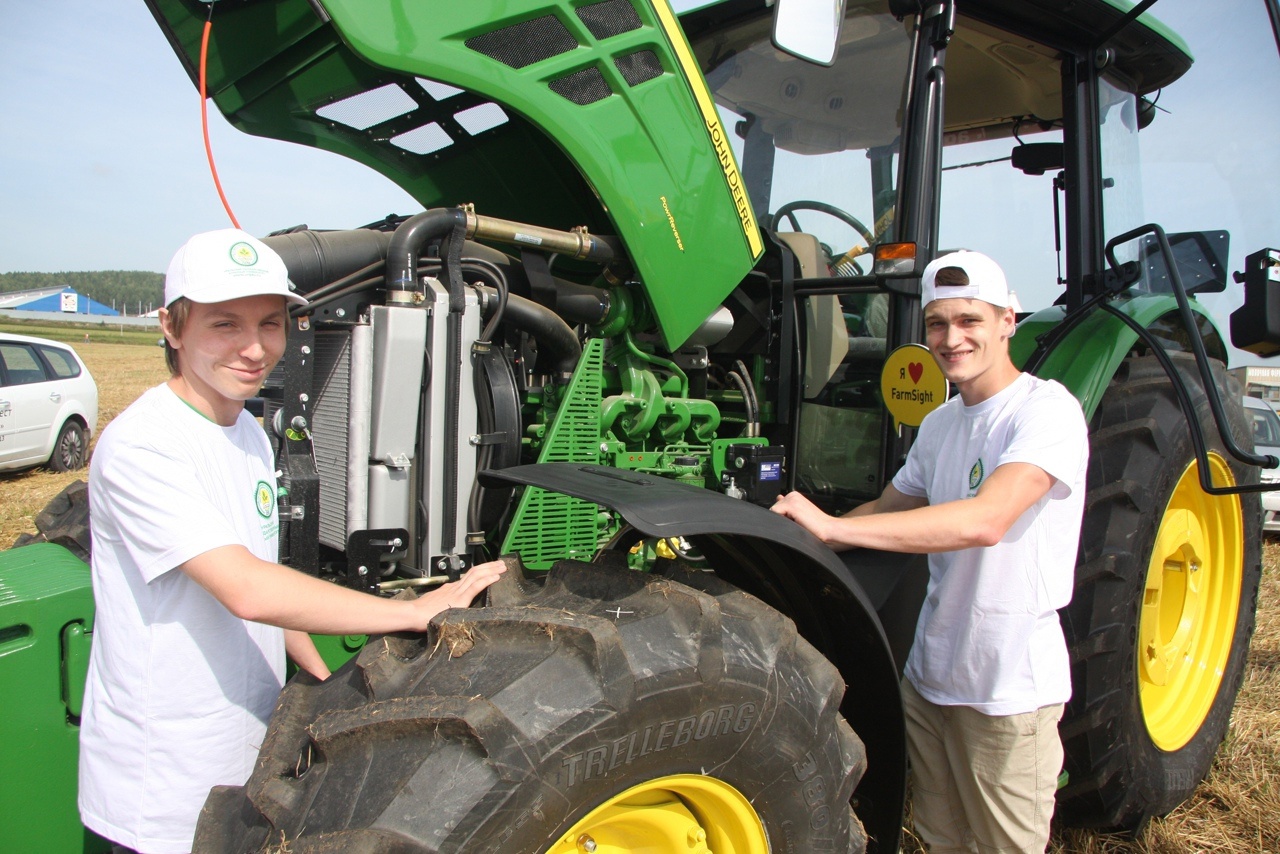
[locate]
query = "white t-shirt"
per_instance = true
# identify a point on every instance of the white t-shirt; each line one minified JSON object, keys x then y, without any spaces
{"x":179,"y":690}
{"x":988,"y":635}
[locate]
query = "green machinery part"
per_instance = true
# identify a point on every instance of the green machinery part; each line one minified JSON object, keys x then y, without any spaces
{"x":548,"y":525}
{"x":46,"y":623}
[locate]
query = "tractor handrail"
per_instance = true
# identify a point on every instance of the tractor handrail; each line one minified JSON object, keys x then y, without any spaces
{"x":1202,"y":364}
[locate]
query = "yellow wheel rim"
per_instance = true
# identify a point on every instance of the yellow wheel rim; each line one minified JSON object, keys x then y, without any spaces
{"x":1189,"y":606}
{"x":681,"y":813}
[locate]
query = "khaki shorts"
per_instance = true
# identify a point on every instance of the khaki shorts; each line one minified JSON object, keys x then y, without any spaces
{"x":981,"y":783}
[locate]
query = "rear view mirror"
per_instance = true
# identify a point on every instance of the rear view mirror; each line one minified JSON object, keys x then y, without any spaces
{"x":1036,"y":158}
{"x":809,"y":29}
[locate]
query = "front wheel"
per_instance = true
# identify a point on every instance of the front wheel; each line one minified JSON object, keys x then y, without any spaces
{"x":605,"y":710}
{"x":1166,"y":591}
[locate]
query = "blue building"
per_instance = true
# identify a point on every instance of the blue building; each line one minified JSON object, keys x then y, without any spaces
{"x":63,"y":299}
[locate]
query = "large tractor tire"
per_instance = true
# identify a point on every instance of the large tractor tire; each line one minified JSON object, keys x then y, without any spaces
{"x":1164,"y":604}
{"x":64,"y":521}
{"x":605,"y":710}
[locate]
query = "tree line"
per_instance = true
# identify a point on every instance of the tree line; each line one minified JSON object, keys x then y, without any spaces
{"x":127,"y":289}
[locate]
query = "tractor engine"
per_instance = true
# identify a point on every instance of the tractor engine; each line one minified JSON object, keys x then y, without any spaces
{"x":426,"y":356}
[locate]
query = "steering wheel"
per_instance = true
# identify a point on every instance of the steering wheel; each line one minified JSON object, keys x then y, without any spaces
{"x":844,"y":265}
{"x":788,"y":210}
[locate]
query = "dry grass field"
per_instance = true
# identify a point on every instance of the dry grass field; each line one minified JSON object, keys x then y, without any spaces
{"x":1235,"y":810}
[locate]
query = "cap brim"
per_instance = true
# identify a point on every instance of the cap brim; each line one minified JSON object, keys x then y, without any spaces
{"x":211,"y":296}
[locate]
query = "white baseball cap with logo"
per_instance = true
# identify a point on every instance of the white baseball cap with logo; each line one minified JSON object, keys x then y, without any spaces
{"x":216,"y":266}
{"x":969,"y":275}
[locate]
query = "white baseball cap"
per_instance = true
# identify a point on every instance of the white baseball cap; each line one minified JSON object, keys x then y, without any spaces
{"x":216,"y":266}
{"x":969,"y":275}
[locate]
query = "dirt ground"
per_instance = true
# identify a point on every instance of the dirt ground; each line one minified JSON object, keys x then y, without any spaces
{"x":1235,"y":810}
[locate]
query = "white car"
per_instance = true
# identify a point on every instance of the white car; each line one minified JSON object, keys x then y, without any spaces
{"x":1266,"y":440}
{"x":48,"y":405}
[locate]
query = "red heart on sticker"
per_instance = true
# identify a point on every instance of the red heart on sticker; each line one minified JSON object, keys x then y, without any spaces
{"x":916,"y":370}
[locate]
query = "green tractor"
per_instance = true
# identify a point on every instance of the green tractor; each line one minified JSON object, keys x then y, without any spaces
{"x":665,"y":269}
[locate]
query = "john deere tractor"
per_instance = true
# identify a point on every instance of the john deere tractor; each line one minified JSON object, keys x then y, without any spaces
{"x":665,"y":268}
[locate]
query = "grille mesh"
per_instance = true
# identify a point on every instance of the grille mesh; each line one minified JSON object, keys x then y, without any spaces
{"x":525,"y":43}
{"x":330,"y":426}
{"x":610,"y":18}
{"x":549,"y":525}
{"x":582,"y":87}
{"x":639,"y":67}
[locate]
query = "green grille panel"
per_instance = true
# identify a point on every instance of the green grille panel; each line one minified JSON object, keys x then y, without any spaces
{"x":548,"y":526}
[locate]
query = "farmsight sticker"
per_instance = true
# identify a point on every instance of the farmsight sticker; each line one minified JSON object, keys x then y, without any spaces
{"x":912,"y":384}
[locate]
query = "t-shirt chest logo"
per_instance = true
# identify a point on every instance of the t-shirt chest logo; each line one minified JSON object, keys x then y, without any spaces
{"x":264,"y":499}
{"x":976,"y":474}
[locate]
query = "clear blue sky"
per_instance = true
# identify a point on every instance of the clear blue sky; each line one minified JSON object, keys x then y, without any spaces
{"x":103,"y":166}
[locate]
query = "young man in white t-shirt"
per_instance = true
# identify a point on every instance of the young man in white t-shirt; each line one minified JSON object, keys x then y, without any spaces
{"x":194,"y":615}
{"x":993,"y":491}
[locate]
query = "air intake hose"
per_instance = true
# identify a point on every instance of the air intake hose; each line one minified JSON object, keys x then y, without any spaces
{"x":316,"y":258}
{"x":555,"y":337}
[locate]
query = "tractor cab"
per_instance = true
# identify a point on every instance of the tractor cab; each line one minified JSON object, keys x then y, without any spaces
{"x":1011,"y":130}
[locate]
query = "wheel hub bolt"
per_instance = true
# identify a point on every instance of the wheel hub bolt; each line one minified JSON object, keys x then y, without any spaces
{"x":586,"y":843}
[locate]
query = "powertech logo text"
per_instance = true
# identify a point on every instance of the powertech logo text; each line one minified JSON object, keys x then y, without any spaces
{"x":715,"y":131}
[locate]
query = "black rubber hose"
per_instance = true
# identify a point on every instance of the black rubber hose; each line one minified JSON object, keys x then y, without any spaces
{"x":574,"y":302}
{"x":316,"y":258}
{"x":581,"y":303}
{"x":553,"y":334}
{"x":410,"y":237}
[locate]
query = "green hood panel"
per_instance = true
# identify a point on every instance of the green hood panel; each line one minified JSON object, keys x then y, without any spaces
{"x":602,"y":119}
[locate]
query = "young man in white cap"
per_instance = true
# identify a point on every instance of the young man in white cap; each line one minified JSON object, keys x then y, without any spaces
{"x":194,"y":615}
{"x":993,"y":491}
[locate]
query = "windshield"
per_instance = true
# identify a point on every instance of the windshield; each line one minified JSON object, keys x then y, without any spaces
{"x":818,"y":151}
{"x":817,"y":135}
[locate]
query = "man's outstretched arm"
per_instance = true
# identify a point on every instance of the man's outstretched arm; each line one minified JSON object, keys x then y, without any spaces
{"x":266,"y":592}
{"x":902,"y":523}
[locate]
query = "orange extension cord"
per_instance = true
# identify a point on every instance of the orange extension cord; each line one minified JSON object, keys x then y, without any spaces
{"x":204,"y":116}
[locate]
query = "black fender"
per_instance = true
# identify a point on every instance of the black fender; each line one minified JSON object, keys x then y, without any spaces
{"x":781,"y":563}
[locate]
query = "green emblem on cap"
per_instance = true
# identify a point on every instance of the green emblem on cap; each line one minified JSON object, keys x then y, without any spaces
{"x":975,"y":475}
{"x":244,"y":254}
{"x":264,"y":499}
